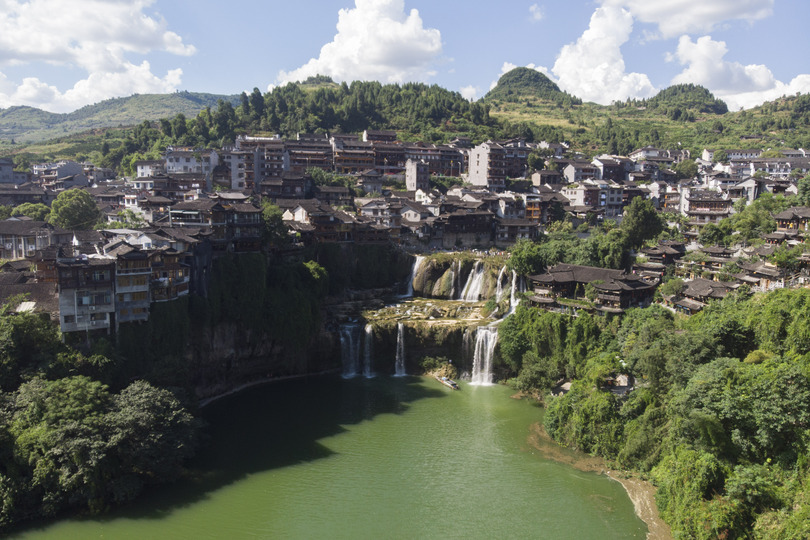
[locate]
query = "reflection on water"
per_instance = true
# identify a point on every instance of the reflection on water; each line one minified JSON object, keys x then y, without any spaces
{"x":371,"y":458}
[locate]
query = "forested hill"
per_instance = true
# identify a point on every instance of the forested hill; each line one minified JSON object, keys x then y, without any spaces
{"x":686,"y":97}
{"x":526,"y":82}
{"x":28,"y":124}
{"x":524,"y":104}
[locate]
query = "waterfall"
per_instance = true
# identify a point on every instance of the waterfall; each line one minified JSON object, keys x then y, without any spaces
{"x":467,"y":345}
{"x":513,"y":302}
{"x":417,"y":263}
{"x":486,"y":337}
{"x":472,"y":289}
{"x":368,"y":371}
{"x":452,"y":282}
{"x":499,"y":285}
{"x":350,"y":349}
{"x":399,"y":366}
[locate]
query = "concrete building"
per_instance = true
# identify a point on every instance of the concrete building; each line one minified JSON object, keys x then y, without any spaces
{"x":416,"y":175}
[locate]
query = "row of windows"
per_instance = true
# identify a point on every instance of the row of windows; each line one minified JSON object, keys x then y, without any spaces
{"x":87,"y":298}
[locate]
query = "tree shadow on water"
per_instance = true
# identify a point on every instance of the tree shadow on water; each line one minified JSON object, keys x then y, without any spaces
{"x":271,"y":426}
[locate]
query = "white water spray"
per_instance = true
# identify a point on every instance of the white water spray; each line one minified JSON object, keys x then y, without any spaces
{"x":399,"y":365}
{"x":349,"y":349}
{"x":499,"y":285}
{"x":368,"y":343}
{"x":472,"y":289}
{"x":486,"y":337}
{"x":417,"y":264}
{"x":513,"y":301}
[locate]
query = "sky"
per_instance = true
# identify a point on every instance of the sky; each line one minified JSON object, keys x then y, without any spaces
{"x":60,"y":55}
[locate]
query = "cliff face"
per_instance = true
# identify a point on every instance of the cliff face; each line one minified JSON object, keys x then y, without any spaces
{"x":228,"y":356}
{"x":273,"y":319}
{"x":268,"y":319}
{"x":450,"y":276}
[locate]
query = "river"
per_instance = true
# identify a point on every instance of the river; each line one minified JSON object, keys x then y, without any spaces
{"x":388,"y":457}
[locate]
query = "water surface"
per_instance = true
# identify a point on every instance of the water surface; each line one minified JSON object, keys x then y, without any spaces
{"x":370,"y":458}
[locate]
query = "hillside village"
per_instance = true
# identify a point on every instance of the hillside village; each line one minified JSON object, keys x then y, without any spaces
{"x":195,"y":204}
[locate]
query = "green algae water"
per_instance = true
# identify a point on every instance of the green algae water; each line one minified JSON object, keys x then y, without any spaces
{"x":369,"y":458}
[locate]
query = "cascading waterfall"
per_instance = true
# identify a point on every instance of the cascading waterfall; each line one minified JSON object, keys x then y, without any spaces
{"x":472,"y":289}
{"x":467,"y":345}
{"x":453,"y":281}
{"x":399,"y":365}
{"x":512,"y":299}
{"x":350,"y":349}
{"x":499,"y":285}
{"x":486,"y":337}
{"x":417,"y":263}
{"x":368,"y":344}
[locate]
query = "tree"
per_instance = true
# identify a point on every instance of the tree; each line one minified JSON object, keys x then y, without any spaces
{"x":803,"y":186}
{"x":526,"y":258}
{"x":641,"y":222}
{"x":36,"y":211}
{"x":74,"y":209}
{"x":686,"y":169}
{"x":673,"y":287}
{"x":720,"y":156}
{"x":275,"y":231}
{"x":152,"y":436}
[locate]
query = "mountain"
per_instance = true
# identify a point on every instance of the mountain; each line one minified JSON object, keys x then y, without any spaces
{"x":526,"y":82}
{"x":28,"y":124}
{"x":687,"y":96}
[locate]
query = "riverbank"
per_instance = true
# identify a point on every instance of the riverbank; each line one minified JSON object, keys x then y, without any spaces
{"x":641,"y":492}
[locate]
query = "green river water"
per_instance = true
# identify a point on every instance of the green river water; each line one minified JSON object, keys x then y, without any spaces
{"x":370,"y":458}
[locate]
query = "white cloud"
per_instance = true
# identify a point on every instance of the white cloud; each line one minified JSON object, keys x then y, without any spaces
{"x":93,"y":35}
{"x":676,"y":17}
{"x":133,"y":79}
{"x":375,"y":40}
{"x":593,"y":67}
{"x":737,"y":84}
{"x":470,"y":92}
{"x":536,"y":13}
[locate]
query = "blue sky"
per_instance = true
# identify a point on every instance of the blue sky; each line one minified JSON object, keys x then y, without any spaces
{"x":60,"y":55}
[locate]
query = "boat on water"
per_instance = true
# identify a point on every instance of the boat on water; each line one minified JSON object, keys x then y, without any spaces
{"x":448,"y":382}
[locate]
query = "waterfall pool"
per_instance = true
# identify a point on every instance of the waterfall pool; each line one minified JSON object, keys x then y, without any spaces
{"x":388,"y":457}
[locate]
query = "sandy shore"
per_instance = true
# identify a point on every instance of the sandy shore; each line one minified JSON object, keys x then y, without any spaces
{"x":642,"y":493}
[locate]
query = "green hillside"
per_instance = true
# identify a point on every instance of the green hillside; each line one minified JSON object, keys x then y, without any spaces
{"x":687,"y":97}
{"x":28,"y":124}
{"x":524,"y":104}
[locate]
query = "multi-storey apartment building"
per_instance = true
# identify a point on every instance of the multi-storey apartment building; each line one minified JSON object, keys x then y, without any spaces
{"x":488,"y":166}
{"x":86,"y":288}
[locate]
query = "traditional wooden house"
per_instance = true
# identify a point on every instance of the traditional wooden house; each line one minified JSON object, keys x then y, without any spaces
{"x":613,"y":291}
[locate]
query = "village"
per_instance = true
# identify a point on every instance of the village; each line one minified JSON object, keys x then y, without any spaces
{"x":193,"y":205}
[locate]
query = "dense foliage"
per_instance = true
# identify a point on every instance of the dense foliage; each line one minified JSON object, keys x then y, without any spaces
{"x":74,"y":209}
{"x":680,"y":98}
{"x":524,"y":104}
{"x":719,"y":418}
{"x":70,"y":441}
{"x":522,"y":82}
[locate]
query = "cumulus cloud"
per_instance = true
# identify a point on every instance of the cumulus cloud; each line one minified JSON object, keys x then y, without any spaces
{"x":737,"y":84}
{"x":676,"y":17}
{"x":593,"y":68}
{"x":536,"y":13}
{"x":470,"y":92}
{"x":375,"y":40}
{"x":93,"y":35}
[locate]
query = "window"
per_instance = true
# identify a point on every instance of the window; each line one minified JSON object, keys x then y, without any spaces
{"x":69,"y":319}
